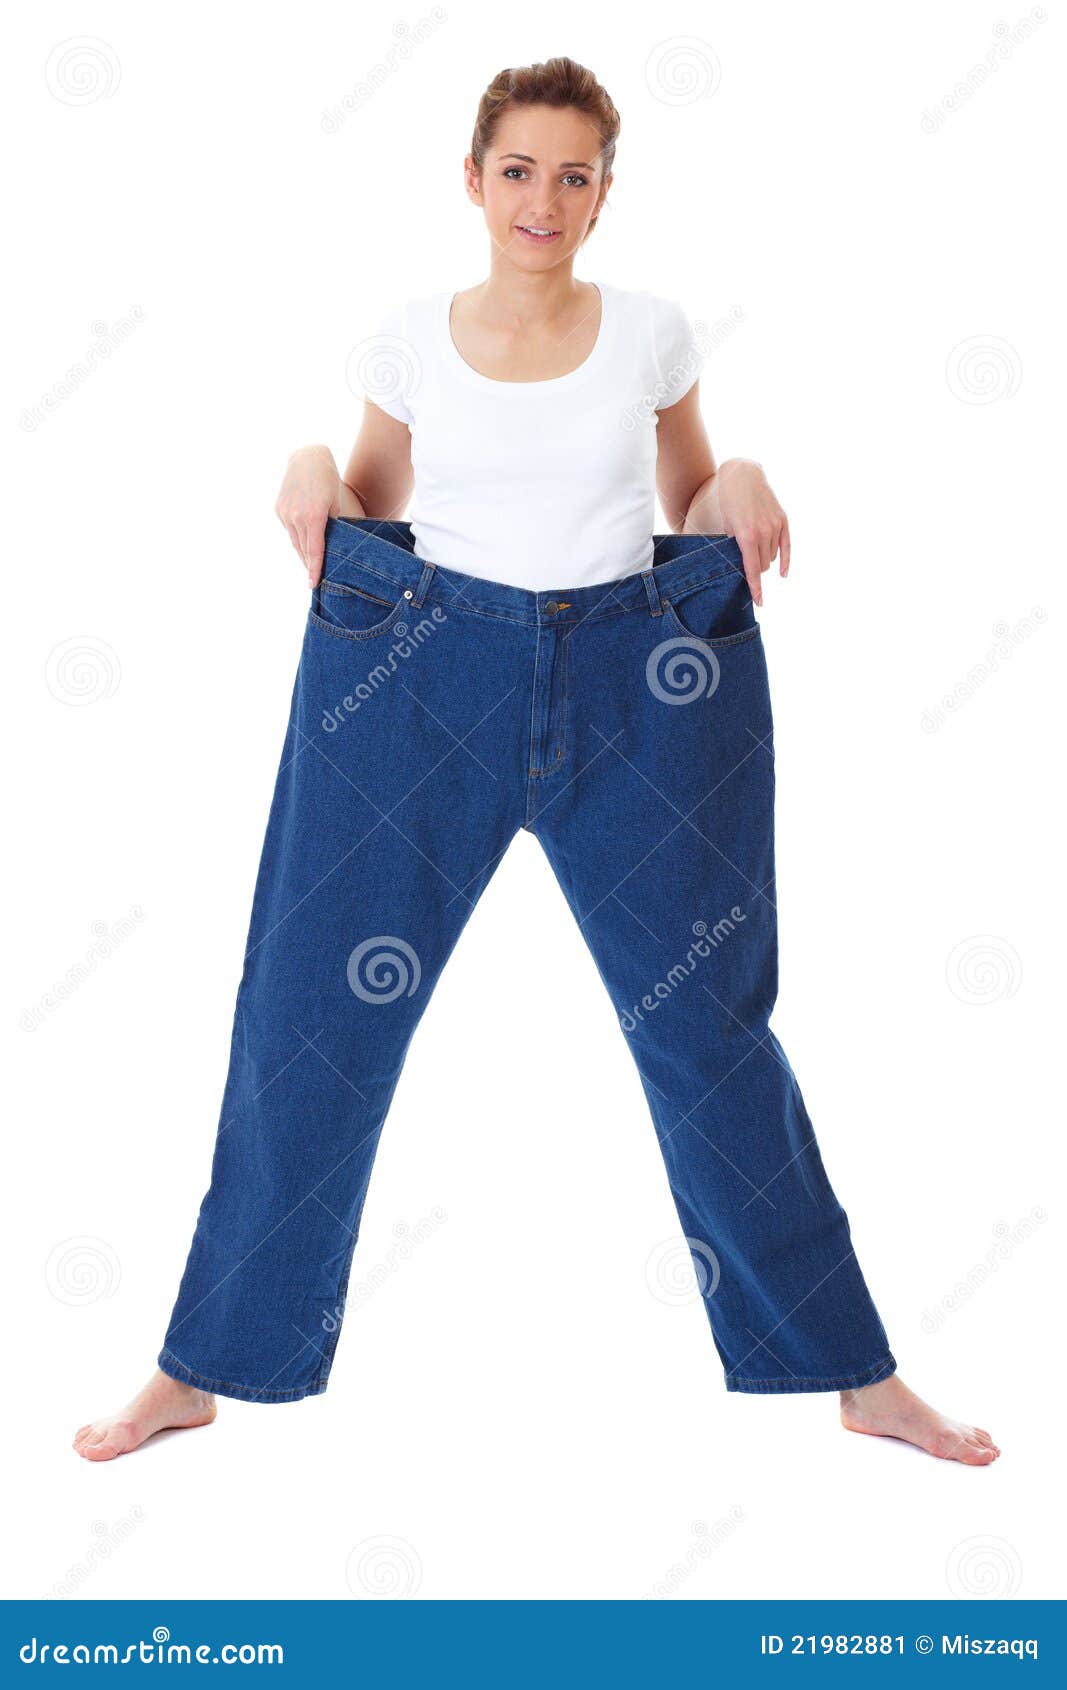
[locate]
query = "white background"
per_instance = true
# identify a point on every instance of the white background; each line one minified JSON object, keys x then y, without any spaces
{"x":513,"y":1412}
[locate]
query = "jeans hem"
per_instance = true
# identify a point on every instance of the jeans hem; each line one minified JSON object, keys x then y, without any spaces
{"x":176,"y":1369}
{"x":872,"y":1375}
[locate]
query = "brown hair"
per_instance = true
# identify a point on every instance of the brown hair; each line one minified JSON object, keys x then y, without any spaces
{"x":557,"y":82}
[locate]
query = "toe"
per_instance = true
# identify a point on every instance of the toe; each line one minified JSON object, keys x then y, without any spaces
{"x":100,"y":1451}
{"x":108,"y":1441}
{"x":975,"y":1454}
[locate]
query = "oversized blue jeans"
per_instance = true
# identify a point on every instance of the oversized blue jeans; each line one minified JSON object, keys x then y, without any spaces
{"x":628,"y":726}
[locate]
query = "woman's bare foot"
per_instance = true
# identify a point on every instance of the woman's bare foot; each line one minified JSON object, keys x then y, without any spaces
{"x":163,"y":1402}
{"x":890,"y":1410}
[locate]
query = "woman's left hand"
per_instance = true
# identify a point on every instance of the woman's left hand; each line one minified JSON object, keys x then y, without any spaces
{"x":752,"y":515}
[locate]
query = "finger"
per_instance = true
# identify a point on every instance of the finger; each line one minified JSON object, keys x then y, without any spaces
{"x":784,"y":546}
{"x":305,"y":550}
{"x":316,"y":545}
{"x":751,"y":559}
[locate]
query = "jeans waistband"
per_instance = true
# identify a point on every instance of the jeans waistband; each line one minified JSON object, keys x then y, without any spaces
{"x":370,"y":547}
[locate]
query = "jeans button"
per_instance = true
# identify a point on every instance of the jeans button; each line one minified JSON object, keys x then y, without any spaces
{"x":551,"y":607}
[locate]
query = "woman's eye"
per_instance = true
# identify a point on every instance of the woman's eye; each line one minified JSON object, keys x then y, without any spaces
{"x":513,"y":170}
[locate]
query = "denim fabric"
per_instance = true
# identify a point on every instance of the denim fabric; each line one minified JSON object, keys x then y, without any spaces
{"x":628,"y":726}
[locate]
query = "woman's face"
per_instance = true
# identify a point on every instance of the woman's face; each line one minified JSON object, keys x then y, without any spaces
{"x":543,"y":172}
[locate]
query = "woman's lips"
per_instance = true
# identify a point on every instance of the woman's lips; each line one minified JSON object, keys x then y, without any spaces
{"x":539,"y":240}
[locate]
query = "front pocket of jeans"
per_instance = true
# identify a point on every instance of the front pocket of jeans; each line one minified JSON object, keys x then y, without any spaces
{"x":351,"y":612}
{"x":718,"y":615}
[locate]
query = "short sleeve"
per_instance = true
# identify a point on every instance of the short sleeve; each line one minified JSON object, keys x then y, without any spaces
{"x":679,"y":356}
{"x":388,"y":367}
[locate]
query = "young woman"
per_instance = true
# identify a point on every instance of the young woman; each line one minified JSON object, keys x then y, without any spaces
{"x":524,"y":653}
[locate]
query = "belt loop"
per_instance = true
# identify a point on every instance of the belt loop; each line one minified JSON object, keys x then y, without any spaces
{"x":424,"y":585}
{"x":655,"y":608}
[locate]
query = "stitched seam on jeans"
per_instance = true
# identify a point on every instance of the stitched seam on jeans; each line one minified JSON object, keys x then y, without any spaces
{"x":354,"y":559}
{"x":697,"y":579}
{"x":810,"y":1378}
{"x":344,"y":590}
{"x":564,"y":694}
{"x":348,"y":634}
{"x":533,"y":719}
{"x":520,"y":622}
{"x":565,"y":690}
{"x":237,"y":1384}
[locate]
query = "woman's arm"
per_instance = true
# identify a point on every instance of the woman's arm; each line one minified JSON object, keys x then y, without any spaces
{"x":377,"y":482}
{"x":735,"y":498}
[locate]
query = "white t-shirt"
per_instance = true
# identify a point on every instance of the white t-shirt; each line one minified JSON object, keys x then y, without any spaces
{"x":539,"y":484}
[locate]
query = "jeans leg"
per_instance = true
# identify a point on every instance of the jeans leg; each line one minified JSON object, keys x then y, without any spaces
{"x":661,"y":837}
{"x":387,"y":821}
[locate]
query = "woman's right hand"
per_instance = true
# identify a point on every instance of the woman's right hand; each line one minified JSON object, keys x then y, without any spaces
{"x":310,"y":492}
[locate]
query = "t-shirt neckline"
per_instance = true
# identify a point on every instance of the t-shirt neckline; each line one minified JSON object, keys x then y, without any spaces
{"x":553,"y":384}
